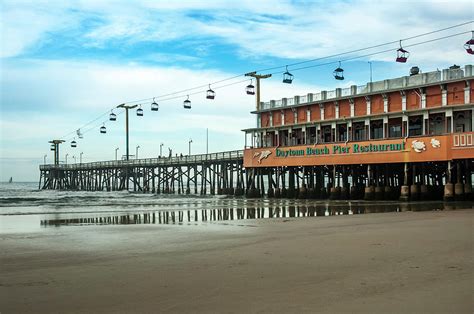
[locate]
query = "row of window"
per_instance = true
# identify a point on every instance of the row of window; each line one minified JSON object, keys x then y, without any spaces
{"x":435,"y":124}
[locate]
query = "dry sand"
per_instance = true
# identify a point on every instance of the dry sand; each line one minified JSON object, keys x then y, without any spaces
{"x":389,"y":262}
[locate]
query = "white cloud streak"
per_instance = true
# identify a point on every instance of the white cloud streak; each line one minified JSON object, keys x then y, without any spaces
{"x":62,"y":96}
{"x":264,"y":28}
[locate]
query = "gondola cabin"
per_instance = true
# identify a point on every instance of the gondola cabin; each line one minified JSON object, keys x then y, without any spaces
{"x":250,"y":89}
{"x":287,"y":77}
{"x":187,"y":104}
{"x":402,"y":55}
{"x":338,"y":73}
{"x":210,"y":94}
{"x":469,"y":45}
{"x":154,"y":106}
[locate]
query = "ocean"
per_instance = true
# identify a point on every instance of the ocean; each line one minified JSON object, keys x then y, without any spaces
{"x":25,"y":208}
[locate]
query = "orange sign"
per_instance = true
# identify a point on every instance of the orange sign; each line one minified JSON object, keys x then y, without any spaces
{"x":414,"y":149}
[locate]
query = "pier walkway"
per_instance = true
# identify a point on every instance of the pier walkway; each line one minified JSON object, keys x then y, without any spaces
{"x":212,"y":173}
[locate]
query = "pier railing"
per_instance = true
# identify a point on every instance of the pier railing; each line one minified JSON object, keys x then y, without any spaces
{"x":163,"y":161}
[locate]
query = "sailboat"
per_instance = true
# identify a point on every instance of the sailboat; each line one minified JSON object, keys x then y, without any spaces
{"x":11,"y":180}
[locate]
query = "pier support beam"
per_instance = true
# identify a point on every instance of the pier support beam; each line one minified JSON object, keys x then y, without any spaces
{"x":459,"y":186}
{"x":448,"y":187}
{"x":369,"y":193}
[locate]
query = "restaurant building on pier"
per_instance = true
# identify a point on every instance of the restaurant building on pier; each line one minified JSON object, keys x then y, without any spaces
{"x":406,"y":138}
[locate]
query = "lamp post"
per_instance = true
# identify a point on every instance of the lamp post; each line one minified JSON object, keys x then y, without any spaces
{"x":370,"y":66}
{"x":161,"y":149}
{"x":258,"y":77}
{"x":55,"y":147}
{"x":126,"y":107}
{"x":189,"y":150}
{"x":116,"y":150}
{"x":136,"y":152}
{"x":127,"y":155}
{"x":80,"y":158}
{"x":66,"y":158}
{"x":44,"y":158}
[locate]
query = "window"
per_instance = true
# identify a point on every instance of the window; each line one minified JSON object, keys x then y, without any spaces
{"x":283,"y":136}
{"x":326,"y":134}
{"x":437,"y":125}
{"x":297,"y":137}
{"x":462,"y":121}
{"x":395,"y":127}
{"x":311,"y":135}
{"x":376,"y":129}
{"x":359,"y":131}
{"x":415,"y":126}
{"x":342,"y":132}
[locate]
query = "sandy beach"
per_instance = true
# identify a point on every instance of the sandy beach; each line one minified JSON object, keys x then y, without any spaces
{"x":382,"y":262}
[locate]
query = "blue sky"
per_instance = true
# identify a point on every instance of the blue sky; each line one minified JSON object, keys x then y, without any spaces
{"x":65,"y":63}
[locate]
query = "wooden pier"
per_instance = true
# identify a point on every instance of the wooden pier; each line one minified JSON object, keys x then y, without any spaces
{"x":224,"y":174}
{"x":215,"y":173}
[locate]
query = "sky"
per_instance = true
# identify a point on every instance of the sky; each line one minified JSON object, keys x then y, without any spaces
{"x":64,"y":64}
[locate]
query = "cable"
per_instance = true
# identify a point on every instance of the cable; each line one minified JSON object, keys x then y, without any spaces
{"x":90,"y":122}
{"x":184,"y":90}
{"x":366,"y":48}
{"x":179,"y":94}
{"x":372,"y":54}
{"x":295,"y":69}
{"x":302,"y":62}
{"x":170,"y":98}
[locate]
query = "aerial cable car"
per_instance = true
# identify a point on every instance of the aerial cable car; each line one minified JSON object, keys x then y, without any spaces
{"x":103,"y":130}
{"x":112,"y":116}
{"x":287,"y":77}
{"x":402,"y":54}
{"x":187,"y":103}
{"x":210,"y":94}
{"x":154,"y":105}
{"x":74,"y":143}
{"x":469,"y":45}
{"x":79,"y":134}
{"x":250,"y":89}
{"x":140,"y":111}
{"x":339,"y":73}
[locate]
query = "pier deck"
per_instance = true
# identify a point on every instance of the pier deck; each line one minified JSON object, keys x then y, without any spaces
{"x":204,"y":173}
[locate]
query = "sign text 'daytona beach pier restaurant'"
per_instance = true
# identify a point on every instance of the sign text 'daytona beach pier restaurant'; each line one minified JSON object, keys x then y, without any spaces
{"x":340,"y":149}
{"x":420,"y":149}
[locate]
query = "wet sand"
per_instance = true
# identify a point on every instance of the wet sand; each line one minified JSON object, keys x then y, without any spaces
{"x":382,"y":262}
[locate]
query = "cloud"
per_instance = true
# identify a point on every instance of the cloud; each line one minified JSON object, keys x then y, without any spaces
{"x":62,"y":96}
{"x":291,"y":31}
{"x":25,"y":24}
{"x":95,"y":85}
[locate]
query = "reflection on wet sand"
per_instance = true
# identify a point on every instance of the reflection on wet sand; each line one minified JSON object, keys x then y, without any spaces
{"x":265,"y":212}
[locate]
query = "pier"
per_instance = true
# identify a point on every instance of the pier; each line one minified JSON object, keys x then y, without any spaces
{"x":408,"y":138}
{"x":215,"y":173}
{"x":225,"y":173}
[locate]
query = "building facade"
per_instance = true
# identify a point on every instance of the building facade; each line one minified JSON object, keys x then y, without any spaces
{"x":399,"y":138}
